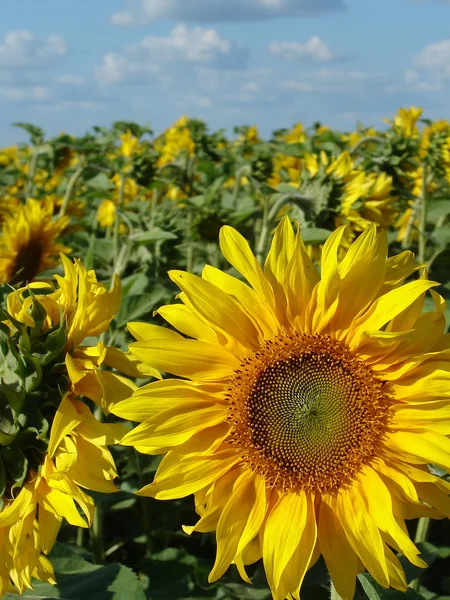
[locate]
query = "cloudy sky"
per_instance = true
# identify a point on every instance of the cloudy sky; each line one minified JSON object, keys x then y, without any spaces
{"x":68,"y":65}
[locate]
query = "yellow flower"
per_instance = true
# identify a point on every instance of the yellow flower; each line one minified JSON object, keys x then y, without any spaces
{"x":29,"y":242}
{"x":129,"y":144}
{"x":354,"y":137}
{"x":106,"y":214}
{"x":175,"y":140}
{"x":9,"y":156}
{"x":308,"y":409}
{"x":373,"y":191}
{"x":406,"y":121}
{"x":342,"y":166}
{"x":296,"y":135}
{"x":68,"y":453}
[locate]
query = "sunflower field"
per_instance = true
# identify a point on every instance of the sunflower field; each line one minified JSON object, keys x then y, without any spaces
{"x":224,"y":363}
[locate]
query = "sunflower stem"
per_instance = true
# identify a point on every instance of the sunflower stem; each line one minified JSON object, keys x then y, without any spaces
{"x":117,"y":219}
{"x":190,"y":248}
{"x":96,"y":530}
{"x":145,"y":506}
{"x":264,"y":231}
{"x":155,"y":197}
{"x":333,"y":593}
{"x":69,"y":190}
{"x":31,"y":173}
{"x":423,"y":216}
{"x":423,"y":527}
{"x":365,"y":140}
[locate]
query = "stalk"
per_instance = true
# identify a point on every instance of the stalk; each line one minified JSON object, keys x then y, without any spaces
{"x":423,"y":527}
{"x":69,"y":190}
{"x":117,"y":218}
{"x":96,"y":531}
{"x":365,"y":140}
{"x":270,"y":214}
{"x":423,"y":216}
{"x":145,"y":506}
{"x":31,"y":173}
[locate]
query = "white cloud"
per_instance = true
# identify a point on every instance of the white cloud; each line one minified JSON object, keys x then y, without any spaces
{"x":334,"y":80}
{"x":435,"y":58}
{"x":70,"y":80}
{"x":36,"y":93}
{"x":21,"y":50}
{"x":313,"y":49}
{"x":140,"y":12}
{"x":65,"y":105}
{"x":148,"y":60}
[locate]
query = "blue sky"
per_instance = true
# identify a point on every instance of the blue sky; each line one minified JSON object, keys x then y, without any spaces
{"x":69,"y":65}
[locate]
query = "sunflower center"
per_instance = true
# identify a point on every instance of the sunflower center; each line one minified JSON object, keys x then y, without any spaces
{"x":306,"y":412}
{"x":28,"y":261}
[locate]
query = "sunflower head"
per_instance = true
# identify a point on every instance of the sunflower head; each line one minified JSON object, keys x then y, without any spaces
{"x":52,"y":447}
{"x":308,"y":409}
{"x":29,"y":242}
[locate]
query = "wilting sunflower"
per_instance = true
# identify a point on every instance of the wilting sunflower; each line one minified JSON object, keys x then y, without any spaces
{"x":52,"y":447}
{"x":307,"y":411}
{"x":29,"y":241}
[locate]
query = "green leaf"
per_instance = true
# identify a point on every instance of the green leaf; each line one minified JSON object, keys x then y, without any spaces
{"x":314,"y":235}
{"x":134,"y":307}
{"x":100,"y":182}
{"x":155,"y":235}
{"x":374,"y":591}
{"x":437,"y":209}
{"x":441,"y":235}
{"x":134,"y":284}
{"x":78,"y":578}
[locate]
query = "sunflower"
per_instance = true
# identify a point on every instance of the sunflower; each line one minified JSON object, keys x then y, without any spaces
{"x":52,"y":447}
{"x":29,"y":242}
{"x":307,"y":410}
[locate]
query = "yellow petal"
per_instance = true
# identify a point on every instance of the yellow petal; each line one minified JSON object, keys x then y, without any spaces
{"x":187,"y":358}
{"x":153,"y":398}
{"x":184,"y":320}
{"x":379,"y":504}
{"x":247,"y":298}
{"x":281,"y":539}
{"x":148,"y":331}
{"x":426,"y":447}
{"x":236,"y":250}
{"x":174,"y":426}
{"x":49,"y":526}
{"x":190,"y":475}
{"x":362,"y":534}
{"x":66,"y":419}
{"x":341,"y":560}
{"x":217,"y":308}
{"x":232,"y":523}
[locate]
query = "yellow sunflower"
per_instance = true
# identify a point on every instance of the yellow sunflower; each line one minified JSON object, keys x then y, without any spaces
{"x":307,"y":410}
{"x":52,"y":447}
{"x":29,"y":242}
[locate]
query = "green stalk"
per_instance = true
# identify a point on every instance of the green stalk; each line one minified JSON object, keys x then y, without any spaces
{"x":423,"y":216}
{"x":155,"y":197}
{"x":96,"y":531}
{"x":264,"y":232}
{"x":366,"y":140}
{"x":69,"y":190}
{"x":117,"y":219}
{"x":269,"y":216}
{"x":423,"y":527}
{"x":31,"y":173}
{"x":189,"y":248}
{"x":145,"y":506}
{"x":409,"y":225}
